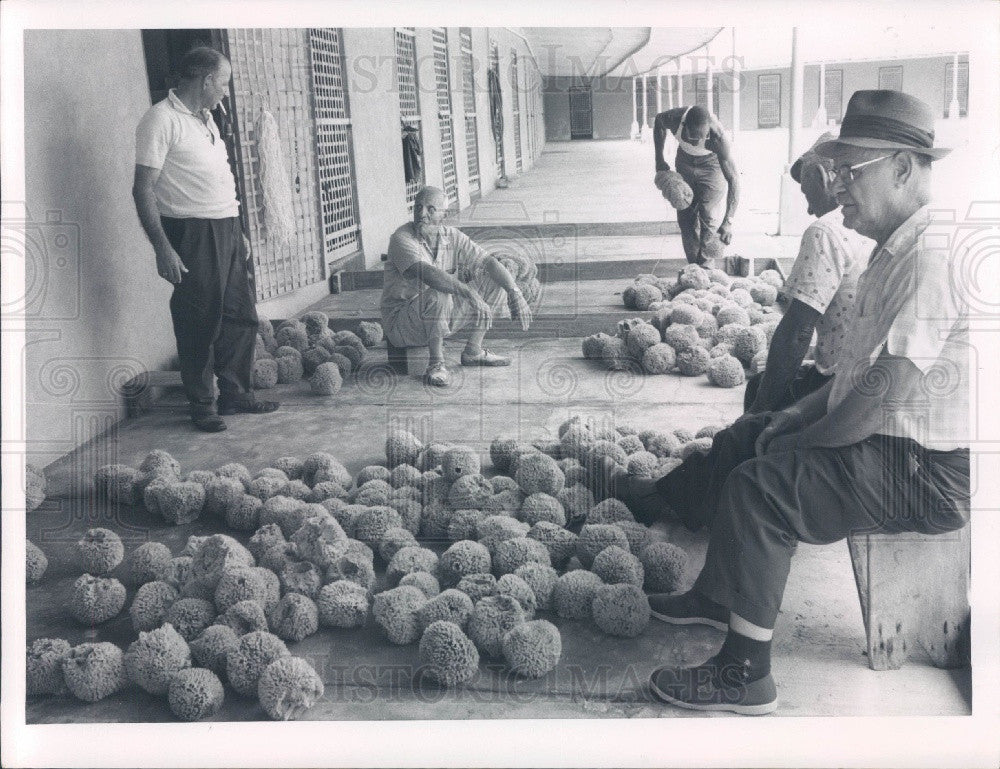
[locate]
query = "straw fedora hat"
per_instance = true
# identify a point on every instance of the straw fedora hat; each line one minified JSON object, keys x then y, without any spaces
{"x":886,"y":120}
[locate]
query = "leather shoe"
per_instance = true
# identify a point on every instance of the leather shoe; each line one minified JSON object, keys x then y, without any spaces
{"x":209,"y":423}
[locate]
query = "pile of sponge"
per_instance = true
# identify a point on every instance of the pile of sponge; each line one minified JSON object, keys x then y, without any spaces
{"x":706,"y":323}
{"x":307,"y":348}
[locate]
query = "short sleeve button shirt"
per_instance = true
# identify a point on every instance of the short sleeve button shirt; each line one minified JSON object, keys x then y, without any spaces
{"x":824,"y":277}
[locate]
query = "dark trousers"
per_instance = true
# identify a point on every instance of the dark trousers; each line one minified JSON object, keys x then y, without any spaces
{"x":806,"y":380}
{"x":213,"y":309}
{"x":759,"y":508}
{"x":699,"y":223}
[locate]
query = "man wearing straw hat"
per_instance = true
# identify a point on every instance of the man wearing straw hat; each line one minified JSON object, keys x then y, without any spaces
{"x":882,"y":447}
{"x":185,"y":195}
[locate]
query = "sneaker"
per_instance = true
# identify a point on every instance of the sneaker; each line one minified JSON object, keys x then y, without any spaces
{"x":246,"y":404}
{"x":715,"y":686}
{"x":688,"y":608}
{"x":437,"y":375}
{"x":484,"y":358}
{"x":209,"y":423}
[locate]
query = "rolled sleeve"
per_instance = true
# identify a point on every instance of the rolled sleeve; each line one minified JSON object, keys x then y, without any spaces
{"x":469,"y":255}
{"x":818,"y":270}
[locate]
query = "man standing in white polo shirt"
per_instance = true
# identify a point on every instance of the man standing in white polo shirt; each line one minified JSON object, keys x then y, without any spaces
{"x":185,"y":195}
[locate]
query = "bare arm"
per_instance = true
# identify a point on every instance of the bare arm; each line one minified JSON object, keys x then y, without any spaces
{"x":788,"y":348}
{"x":728,"y":166}
{"x":664,"y":123}
{"x":168,"y":263}
{"x":519,"y":308}
{"x":439,"y":280}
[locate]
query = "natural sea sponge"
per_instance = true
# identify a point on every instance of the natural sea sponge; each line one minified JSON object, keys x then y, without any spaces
{"x":478,"y":586}
{"x":658,"y":358}
{"x":300,"y":577}
{"x":288,"y":687}
{"x":532,"y":649}
{"x":250,"y":657}
{"x":614,"y":354}
{"x":447,"y":655}
{"x":616,"y":565}
{"x":395,"y":540}
{"x":539,"y":473}
{"x":641,"y":337}
{"x":609,"y":510}
{"x":664,"y":564}
{"x":574,"y":592}
{"x":265,"y":537}
{"x":294,"y":617}
{"x":370,"y":333}
{"x":313,"y":358}
{"x":244,"y":514}
{"x":731,"y":314}
{"x":747,"y":342}
{"x":509,"y":554}
{"x":620,"y":610}
{"x":470,"y":492}
{"x":114,"y":483}
{"x":639,"y":296}
{"x":343,"y":604}
{"x":764,"y":294}
{"x":244,"y":617}
{"x":675,"y":190}
{"x":321,"y":540}
{"x":44,"y":662}
{"x":693,"y":361}
{"x":425,"y":582}
{"x":560,"y":542}
{"x":699,"y":445}
{"x":289,"y":368}
{"x":160,"y":462}
{"x":216,"y":554}
{"x":264,"y":374}
{"x":221,"y":494}
{"x":395,"y":611}
{"x":506,"y":502}
{"x":642,"y":463}
{"x":512,"y":585}
{"x":35,"y":562}
{"x":264,"y":487}
{"x":726,"y":371}
{"x":681,"y":337}
{"x":452,"y":605}
{"x":576,"y":501}
{"x":372,"y":524}
{"x":639,"y":536}
{"x":542,"y":580}
{"x":542,"y":507}
{"x":491,"y":619}
{"x":190,"y":616}
{"x":93,"y":671}
{"x":464,"y":523}
{"x":153,"y":659}
{"x":401,"y":447}
{"x":354,"y":568}
{"x":247,"y":583}
{"x":194,"y":694}
{"x":210,"y":648}
{"x":321,"y":466}
{"x":661,"y":444}
{"x":151,"y":603}
{"x":96,"y":599}
{"x":177,"y":502}
{"x":326,"y":379}
{"x":461,"y":559}
{"x":459,"y":461}
{"x":594,"y":538}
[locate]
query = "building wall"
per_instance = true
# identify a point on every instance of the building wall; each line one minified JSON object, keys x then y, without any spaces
{"x":611,"y":103}
{"x":104,"y":317}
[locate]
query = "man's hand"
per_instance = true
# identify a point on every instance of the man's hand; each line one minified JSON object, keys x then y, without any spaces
{"x":519,"y":309}
{"x":783,"y":423}
{"x":660,"y":180}
{"x":169,"y":264}
{"x":726,"y":233}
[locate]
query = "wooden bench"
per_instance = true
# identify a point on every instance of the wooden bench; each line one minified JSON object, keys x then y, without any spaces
{"x":914,"y":588}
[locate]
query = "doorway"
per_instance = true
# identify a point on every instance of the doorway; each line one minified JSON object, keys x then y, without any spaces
{"x":581,"y":115}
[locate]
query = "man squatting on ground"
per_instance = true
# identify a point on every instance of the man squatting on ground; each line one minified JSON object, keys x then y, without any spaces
{"x":882,"y":446}
{"x":185,"y":194}
{"x":705,"y":160}
{"x":439,"y":281}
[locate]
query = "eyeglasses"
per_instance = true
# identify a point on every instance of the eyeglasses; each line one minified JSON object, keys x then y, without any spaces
{"x":845,"y":173}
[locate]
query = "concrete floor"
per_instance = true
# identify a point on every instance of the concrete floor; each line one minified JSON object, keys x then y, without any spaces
{"x":819,"y":640}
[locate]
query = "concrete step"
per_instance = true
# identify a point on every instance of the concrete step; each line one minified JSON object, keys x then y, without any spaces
{"x":499,"y":230}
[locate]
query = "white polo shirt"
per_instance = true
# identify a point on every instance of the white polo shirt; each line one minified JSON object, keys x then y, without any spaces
{"x":911,"y":301}
{"x":195,"y":179}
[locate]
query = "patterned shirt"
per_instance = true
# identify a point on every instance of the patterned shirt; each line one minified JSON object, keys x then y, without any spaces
{"x":824,"y":277}
{"x":457,"y":254}
{"x":909,"y":304}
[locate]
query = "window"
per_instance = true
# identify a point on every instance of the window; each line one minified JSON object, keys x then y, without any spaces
{"x":701,"y":93}
{"x":834,"y":94}
{"x":409,"y":100}
{"x":890,"y":78}
{"x":650,"y":99}
{"x":963,"y":87}
{"x":469,"y":112}
{"x":768,"y":101}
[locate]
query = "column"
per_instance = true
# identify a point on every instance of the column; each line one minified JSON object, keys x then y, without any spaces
{"x":735,"y":89}
{"x":820,"y":119}
{"x":953,"y":108}
{"x":635,"y":123}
